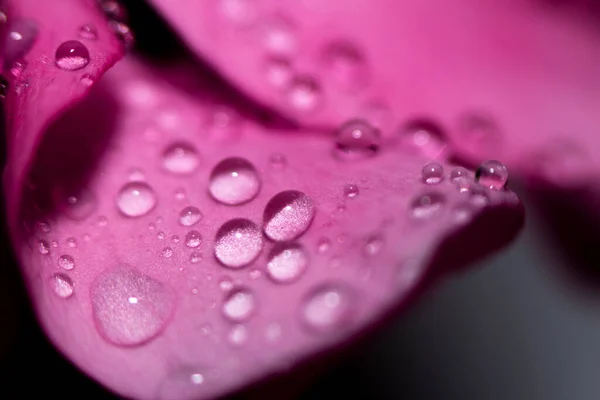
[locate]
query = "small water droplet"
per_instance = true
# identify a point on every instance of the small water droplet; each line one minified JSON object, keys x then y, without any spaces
{"x":160,"y":235}
{"x":323,"y":245}
{"x":20,"y":36}
{"x":113,"y":10}
{"x":303,"y":94}
{"x":130,"y":308}
{"x":102,"y":220}
{"x":71,"y":242}
{"x":66,"y":262}
{"x":425,"y":136}
{"x":239,"y":305}
{"x":44,"y":226}
{"x":72,"y":55}
{"x":88,"y":32}
{"x":234,"y":181}
{"x":351,"y":190}
{"x":357,"y":139}
{"x":79,"y":206}
{"x":136,"y":199}
{"x":3,"y":87}
{"x":346,"y":66}
{"x":279,"y":35}
{"x":190,"y":216}
{"x":238,"y":335}
{"x":458,"y":173}
{"x":54,"y":243}
{"x":62,"y":285}
{"x":432,"y":173}
{"x":492,"y":174}
{"x":180,"y":158}
{"x":373,"y":245}
{"x":180,"y":194}
{"x":226,"y":284}
{"x":159,"y":220}
{"x":255,"y":274}
{"x":288,"y":215}
{"x":175,"y":238}
{"x":167,"y":252}
{"x":427,"y":205}
{"x":152,"y":226}
{"x":238,"y":243}
{"x":87,"y":80}
{"x":17,"y":68}
{"x":327,"y":308}
{"x":287,"y":263}
{"x":43,"y":247}
{"x":123,"y":32}
{"x":195,"y":257}
{"x":278,"y":71}
{"x":193,"y":239}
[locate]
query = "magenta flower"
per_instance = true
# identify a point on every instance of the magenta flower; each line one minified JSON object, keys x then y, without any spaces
{"x":187,"y":229}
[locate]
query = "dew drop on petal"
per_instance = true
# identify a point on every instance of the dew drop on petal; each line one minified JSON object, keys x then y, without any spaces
{"x":277,"y":161}
{"x":129,"y":308}
{"x":72,"y":55}
{"x":113,"y":10}
{"x":287,"y":263}
{"x":238,"y":242}
{"x":239,"y":305}
{"x":345,"y":66}
{"x":238,"y":335}
{"x":20,"y":36}
{"x":79,"y":206}
{"x":427,"y":205}
{"x":278,"y":71}
{"x":288,"y":215}
{"x":303,"y":94}
{"x":323,"y":245}
{"x":167,"y":252}
{"x":195,"y":257}
{"x":123,"y":32}
{"x":373,"y":245}
{"x":72,"y":242}
{"x":432,"y":173}
{"x":193,"y":239}
{"x":279,"y":35}
{"x":255,"y":274}
{"x":62,"y":285}
{"x":88,"y":32}
{"x":87,"y":80}
{"x":239,"y":12}
{"x":180,"y":194}
{"x":175,"y":238}
{"x":479,"y":131}
{"x":357,"y":139}
{"x":17,"y":68}
{"x":234,"y":181}
{"x":190,"y":216}
{"x":160,"y":235}
{"x":458,"y":173}
{"x":425,"y":136}
{"x":43,"y":247}
{"x":224,"y":123}
{"x":327,"y":308}
{"x":136,"y":199}
{"x":351,"y":190}
{"x":180,"y":158}
{"x":184,"y":383}
{"x":492,"y":174}
{"x":226,"y":284}
{"x":66,"y":262}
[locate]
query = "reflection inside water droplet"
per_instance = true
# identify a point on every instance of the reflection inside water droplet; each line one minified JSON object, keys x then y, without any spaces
{"x":72,"y":55}
{"x":62,"y":285}
{"x":66,"y":262}
{"x":357,"y":139}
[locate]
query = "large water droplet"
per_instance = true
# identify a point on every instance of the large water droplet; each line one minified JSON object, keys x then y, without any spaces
{"x":427,"y":205}
{"x":346,"y":66}
{"x":288,"y":215}
{"x":432,"y":173}
{"x":357,"y":139}
{"x":193,"y":239}
{"x":234,"y":181}
{"x":238,"y":243}
{"x":66,"y":262}
{"x":303,"y":94}
{"x":190,"y":216}
{"x":130,"y":308}
{"x":328,"y":308}
{"x":458,"y":173}
{"x":72,"y":55}
{"x":180,"y":158}
{"x":20,"y":36}
{"x":492,"y":174}
{"x":239,"y":305}
{"x":88,"y":32}
{"x":136,"y":199}
{"x":78,"y":206}
{"x":287,"y":263}
{"x":62,"y":285}
{"x":425,"y":136}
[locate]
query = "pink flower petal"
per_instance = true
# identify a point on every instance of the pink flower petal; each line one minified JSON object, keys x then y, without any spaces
{"x":159,"y":282}
{"x":516,"y":82}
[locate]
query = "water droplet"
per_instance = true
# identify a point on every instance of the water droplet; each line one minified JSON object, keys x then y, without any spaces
{"x":224,"y":123}
{"x":175,"y":238}
{"x":463,"y":184}
{"x":492,"y":174}
{"x":79,"y":206}
{"x":238,"y":243}
{"x":87,"y":80}
{"x":71,"y":242}
{"x":303,"y":94}
{"x":66,"y":262}
{"x":113,"y":10}
{"x":136,"y":199}
{"x":180,"y":158}
{"x":102,"y":220}
{"x":239,"y":305}
{"x":190,"y":216}
{"x":184,"y":383}
{"x":327,"y":308}
{"x":458,"y":173}
{"x":72,"y":55}
{"x":130,"y":308}
{"x":152,"y":226}
{"x":226,"y":284}
{"x":123,"y":32}
{"x":54,"y":243}
{"x":288,"y":215}
{"x":373,"y":245}
{"x":346,"y":66}
{"x":241,"y":12}
{"x":255,"y":274}
{"x":432,"y":173}
{"x":44,"y":226}
{"x":43,"y":247}
{"x":167,"y":252}
{"x":279,"y":35}
{"x":88,"y":32}
{"x":196,"y":379}
{"x":234,"y":181}
{"x":193,"y":239}
{"x":3,"y":87}
{"x":287,"y":263}
{"x":278,"y":71}
{"x":425,"y":136}
{"x":195,"y":257}
{"x":20,"y":36}
{"x":427,"y":205}
{"x":357,"y":139}
{"x":180,"y":194}
{"x":277,"y":161}
{"x":351,"y":190}
{"x":62,"y":285}
{"x":323,"y":245}
{"x":160,"y":235}
{"x":17,"y":68}
{"x":238,"y":335}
